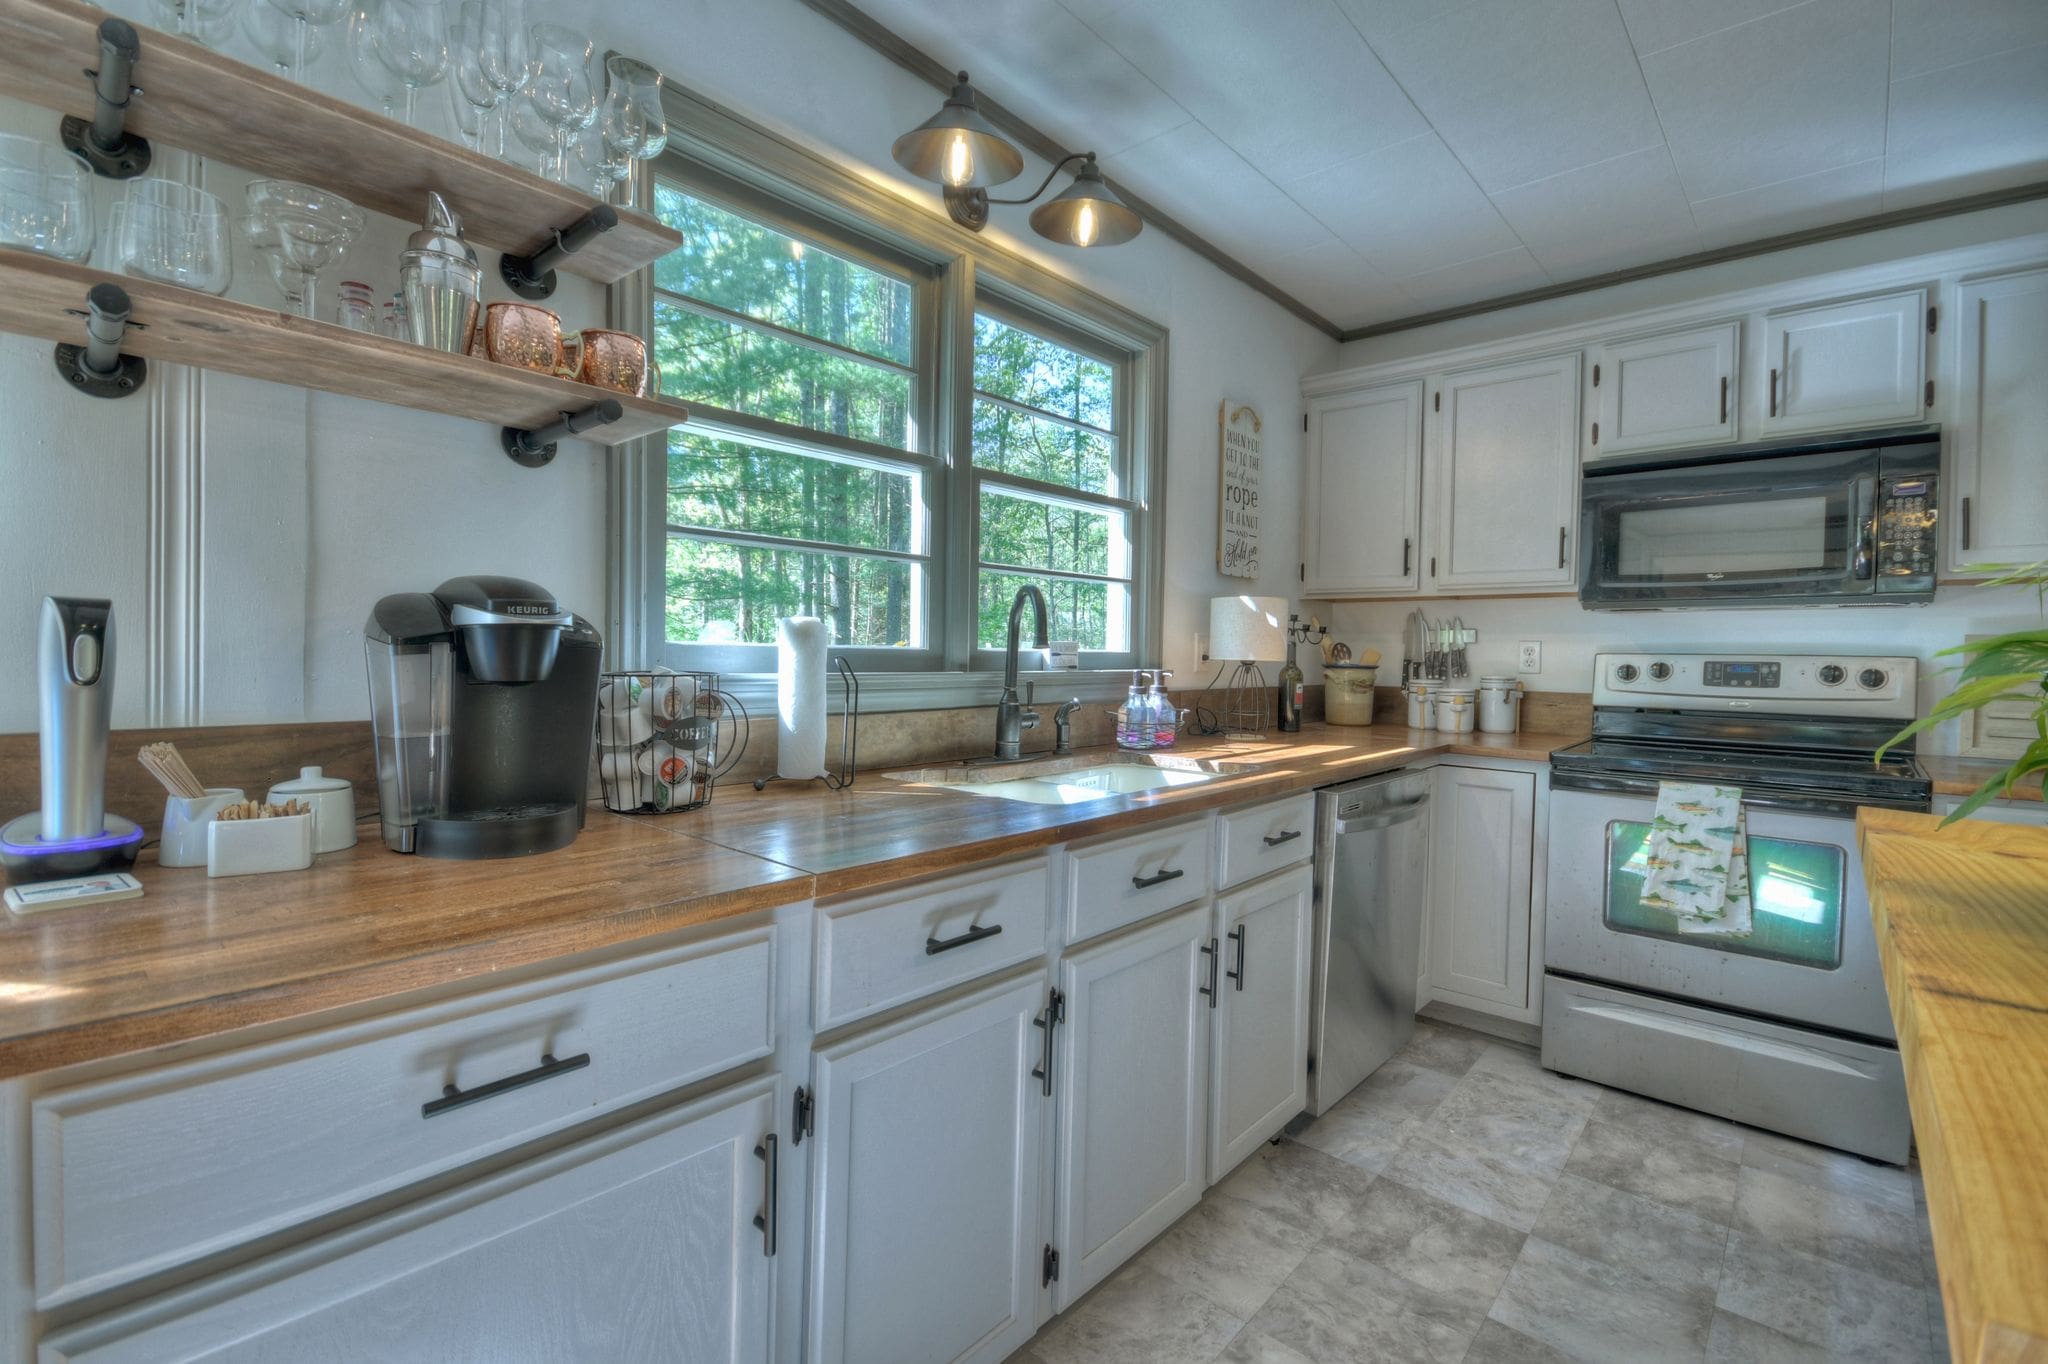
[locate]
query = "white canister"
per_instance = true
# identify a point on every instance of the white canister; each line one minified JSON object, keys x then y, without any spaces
{"x":1454,"y":709}
{"x":1421,"y":715}
{"x":1500,"y":704}
{"x":332,"y":801}
{"x":183,"y":841}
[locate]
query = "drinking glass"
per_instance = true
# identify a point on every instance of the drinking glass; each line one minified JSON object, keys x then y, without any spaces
{"x":45,"y":199}
{"x":633,"y":123}
{"x":281,"y":40}
{"x":409,"y":39}
{"x":471,"y":96}
{"x":561,"y":91}
{"x":607,"y":167}
{"x":504,"y":56}
{"x":208,"y":22}
{"x":372,"y":75}
{"x":310,"y":229}
{"x":172,"y":233}
{"x":535,"y":134}
{"x":306,"y":16}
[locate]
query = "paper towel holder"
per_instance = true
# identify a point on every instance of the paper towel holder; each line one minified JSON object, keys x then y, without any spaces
{"x":849,"y":735}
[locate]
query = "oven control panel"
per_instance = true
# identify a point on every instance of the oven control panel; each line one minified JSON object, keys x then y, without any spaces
{"x":1795,"y":684}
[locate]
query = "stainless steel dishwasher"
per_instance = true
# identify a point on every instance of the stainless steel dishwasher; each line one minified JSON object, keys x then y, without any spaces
{"x":1372,"y":879}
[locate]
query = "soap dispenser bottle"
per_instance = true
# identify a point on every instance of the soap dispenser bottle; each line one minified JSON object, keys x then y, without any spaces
{"x":1130,"y":716}
{"x":1165,"y":719}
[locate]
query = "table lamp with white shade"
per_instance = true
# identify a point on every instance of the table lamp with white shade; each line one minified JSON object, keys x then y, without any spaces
{"x":1246,"y":630}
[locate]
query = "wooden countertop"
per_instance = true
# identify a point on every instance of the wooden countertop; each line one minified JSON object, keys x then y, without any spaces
{"x":1955,"y":776}
{"x":1962,"y":929}
{"x":195,"y":957}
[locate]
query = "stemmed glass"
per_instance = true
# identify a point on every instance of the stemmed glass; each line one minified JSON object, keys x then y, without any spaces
{"x":633,"y":124}
{"x":408,"y":38}
{"x":208,"y":22}
{"x":371,"y":74}
{"x":471,"y":96}
{"x":536,"y":134}
{"x":309,"y":15}
{"x":282,"y":40}
{"x":504,"y":56}
{"x":307,"y":229}
{"x":608,"y":167}
{"x":561,"y":91}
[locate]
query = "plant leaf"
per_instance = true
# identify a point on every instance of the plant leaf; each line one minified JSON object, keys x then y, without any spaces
{"x":1971,"y":695}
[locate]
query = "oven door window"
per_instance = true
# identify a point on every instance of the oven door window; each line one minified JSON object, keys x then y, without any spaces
{"x":1796,"y":891}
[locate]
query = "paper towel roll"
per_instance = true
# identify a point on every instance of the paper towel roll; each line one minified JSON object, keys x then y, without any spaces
{"x":800,"y":698}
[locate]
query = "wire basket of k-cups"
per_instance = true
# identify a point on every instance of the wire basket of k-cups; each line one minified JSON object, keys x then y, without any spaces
{"x":664,"y":739}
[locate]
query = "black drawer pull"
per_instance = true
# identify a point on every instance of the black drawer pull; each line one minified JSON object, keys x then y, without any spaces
{"x":1147,"y":882}
{"x":1240,"y":936}
{"x":934,"y":946}
{"x":771,"y":1209}
{"x":1285,"y":836}
{"x":549,"y":1067}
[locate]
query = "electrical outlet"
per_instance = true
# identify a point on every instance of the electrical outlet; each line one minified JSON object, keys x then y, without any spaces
{"x":1201,"y":648}
{"x":1531,"y":656}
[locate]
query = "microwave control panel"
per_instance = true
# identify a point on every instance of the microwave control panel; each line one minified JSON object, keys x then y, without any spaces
{"x":1905,"y":529}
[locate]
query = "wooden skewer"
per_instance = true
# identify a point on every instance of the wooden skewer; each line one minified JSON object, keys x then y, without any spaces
{"x":168,"y":766}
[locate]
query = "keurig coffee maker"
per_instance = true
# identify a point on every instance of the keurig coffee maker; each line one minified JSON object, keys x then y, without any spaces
{"x":483,"y":699}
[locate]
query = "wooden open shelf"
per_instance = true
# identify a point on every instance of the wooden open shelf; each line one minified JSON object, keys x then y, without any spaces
{"x":199,"y":101}
{"x":42,"y":296}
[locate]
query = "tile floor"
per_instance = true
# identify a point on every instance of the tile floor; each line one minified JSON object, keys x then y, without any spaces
{"x":1466,"y":1204}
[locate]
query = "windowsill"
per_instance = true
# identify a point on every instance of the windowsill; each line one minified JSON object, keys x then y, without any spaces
{"x":897,"y":691}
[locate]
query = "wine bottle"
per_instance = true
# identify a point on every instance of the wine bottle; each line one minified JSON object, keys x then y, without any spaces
{"x":1290,"y":685}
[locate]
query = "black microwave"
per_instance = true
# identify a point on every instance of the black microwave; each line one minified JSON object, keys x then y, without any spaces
{"x":1842,"y":520}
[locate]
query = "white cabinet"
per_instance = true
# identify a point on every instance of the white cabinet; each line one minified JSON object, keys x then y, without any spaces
{"x":1665,"y":391}
{"x":1134,"y":1077}
{"x":636,"y":1244}
{"x":926,"y":1182}
{"x":1481,"y":869}
{"x":1842,"y":365}
{"x":1259,"y":1041}
{"x":1505,"y":479}
{"x":1362,"y":492}
{"x":1996,"y":503}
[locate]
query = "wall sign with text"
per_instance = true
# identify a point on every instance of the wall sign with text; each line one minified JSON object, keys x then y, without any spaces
{"x":1239,"y":465}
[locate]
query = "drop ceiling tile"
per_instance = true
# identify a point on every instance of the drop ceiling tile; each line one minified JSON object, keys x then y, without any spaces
{"x":1504,"y":272}
{"x":1799,"y":92}
{"x":1521,"y":90}
{"x":1336,"y":281}
{"x":1607,"y":216}
{"x":1291,"y":87}
{"x":1191,"y":175}
{"x":1035,"y":58}
{"x":1382,"y":19}
{"x":1930,"y":34}
{"x":1968,"y":129}
{"x":1406,"y":208}
{"x":1829,"y":196}
{"x":1654,"y":25}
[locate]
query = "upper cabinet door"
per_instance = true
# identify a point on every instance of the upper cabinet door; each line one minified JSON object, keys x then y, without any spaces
{"x":1664,"y":392}
{"x":1996,"y":505}
{"x":1842,"y":365}
{"x":1362,"y":496}
{"x":1507,"y":475}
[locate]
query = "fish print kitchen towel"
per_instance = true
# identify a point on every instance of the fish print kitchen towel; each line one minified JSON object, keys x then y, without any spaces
{"x":1698,"y":858}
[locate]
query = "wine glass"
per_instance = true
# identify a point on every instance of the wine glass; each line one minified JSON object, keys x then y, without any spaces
{"x":281,"y":40}
{"x":607,"y":167}
{"x":504,"y":56}
{"x":561,"y":91}
{"x":633,"y":123}
{"x":407,"y":37}
{"x":207,"y":22}
{"x":308,"y":15}
{"x":373,"y":76}
{"x":471,"y":97}
{"x":536,"y":134}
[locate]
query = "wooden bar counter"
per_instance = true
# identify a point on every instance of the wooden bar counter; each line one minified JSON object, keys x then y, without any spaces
{"x":1962,"y":929}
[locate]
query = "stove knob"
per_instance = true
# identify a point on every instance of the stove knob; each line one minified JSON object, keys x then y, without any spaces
{"x":1627,"y":672}
{"x":1660,"y":672}
{"x":1870,"y":679}
{"x":1831,"y":674}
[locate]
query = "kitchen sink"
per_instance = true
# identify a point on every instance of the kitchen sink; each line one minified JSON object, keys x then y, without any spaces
{"x":1074,"y":780}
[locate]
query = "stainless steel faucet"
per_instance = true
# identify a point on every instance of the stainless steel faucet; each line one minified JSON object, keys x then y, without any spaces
{"x":1012,"y":719}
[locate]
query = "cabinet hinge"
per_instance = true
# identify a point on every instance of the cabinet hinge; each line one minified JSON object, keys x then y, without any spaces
{"x":1930,"y":319}
{"x":1930,"y":392}
{"x":1049,"y":1267}
{"x":1056,"y":1004}
{"x":1596,"y":433}
{"x":1596,"y":376}
{"x":1439,"y":406}
{"x":800,"y":1121}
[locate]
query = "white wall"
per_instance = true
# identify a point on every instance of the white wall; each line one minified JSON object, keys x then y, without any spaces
{"x":244,"y":529}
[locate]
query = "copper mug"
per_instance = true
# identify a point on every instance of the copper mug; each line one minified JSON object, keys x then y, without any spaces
{"x":614,"y":360}
{"x":520,"y":335}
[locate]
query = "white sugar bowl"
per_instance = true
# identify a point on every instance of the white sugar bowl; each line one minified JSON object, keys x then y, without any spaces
{"x":333,"y":802}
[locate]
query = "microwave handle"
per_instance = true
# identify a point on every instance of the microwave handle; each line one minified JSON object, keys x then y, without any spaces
{"x":1863,"y":564}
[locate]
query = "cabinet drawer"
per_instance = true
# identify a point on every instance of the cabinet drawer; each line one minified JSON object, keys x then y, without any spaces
{"x":148,"y":1170}
{"x":1122,"y":880}
{"x":880,"y":951}
{"x":1264,"y":838}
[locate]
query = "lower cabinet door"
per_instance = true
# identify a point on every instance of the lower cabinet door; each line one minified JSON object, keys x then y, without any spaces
{"x":1483,"y":846}
{"x":1133,"y":1079}
{"x":926,"y":1182}
{"x":1259,"y":1067}
{"x":635,"y":1244}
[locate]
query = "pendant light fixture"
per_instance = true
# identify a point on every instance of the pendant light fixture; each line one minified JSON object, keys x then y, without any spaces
{"x":962,"y":152}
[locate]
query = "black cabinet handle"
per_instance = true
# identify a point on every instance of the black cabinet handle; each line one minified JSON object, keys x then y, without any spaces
{"x":765,"y":1219}
{"x":1724,"y":398}
{"x":549,"y":1067}
{"x":1560,"y":545}
{"x":1285,"y":836}
{"x":1048,"y":1020}
{"x":1146,"y":882}
{"x":1774,"y":393}
{"x":1239,"y":935}
{"x":934,"y":946}
{"x":1407,"y":550}
{"x":1210,"y":950}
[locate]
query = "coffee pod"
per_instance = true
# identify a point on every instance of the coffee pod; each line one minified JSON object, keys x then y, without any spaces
{"x":621,"y":693}
{"x":667,"y":701}
{"x":618,"y":767}
{"x":625,"y":728}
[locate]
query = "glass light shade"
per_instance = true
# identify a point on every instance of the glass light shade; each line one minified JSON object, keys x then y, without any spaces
{"x":1087,"y":214}
{"x":957,"y":147}
{"x":1247,"y":629}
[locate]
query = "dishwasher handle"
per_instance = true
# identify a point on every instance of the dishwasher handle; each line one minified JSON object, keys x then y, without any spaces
{"x":1384,"y":818}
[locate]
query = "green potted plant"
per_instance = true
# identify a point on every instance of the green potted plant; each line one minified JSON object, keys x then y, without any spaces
{"x":2011,"y":666}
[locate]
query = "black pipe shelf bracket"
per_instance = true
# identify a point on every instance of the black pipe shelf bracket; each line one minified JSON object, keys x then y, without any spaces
{"x":103,"y":142}
{"x":533,"y":277}
{"x":537,"y":447}
{"x":97,"y":368}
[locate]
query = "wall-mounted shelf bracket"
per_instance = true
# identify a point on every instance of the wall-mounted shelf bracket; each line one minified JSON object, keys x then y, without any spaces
{"x":534,"y":276}
{"x":535,"y":448}
{"x":103,"y":141}
{"x":97,"y":368}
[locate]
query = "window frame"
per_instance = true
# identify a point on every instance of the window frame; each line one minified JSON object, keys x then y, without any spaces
{"x":736,"y":164}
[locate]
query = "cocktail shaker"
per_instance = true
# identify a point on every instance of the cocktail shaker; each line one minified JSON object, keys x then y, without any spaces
{"x":440,"y":279}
